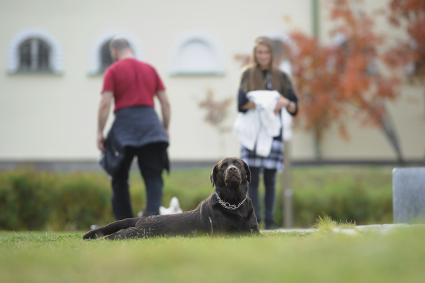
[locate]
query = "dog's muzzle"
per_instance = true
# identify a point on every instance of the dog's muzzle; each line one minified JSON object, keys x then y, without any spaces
{"x":232,"y":176}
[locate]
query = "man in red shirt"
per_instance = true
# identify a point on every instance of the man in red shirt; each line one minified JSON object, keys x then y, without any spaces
{"x":136,"y":130}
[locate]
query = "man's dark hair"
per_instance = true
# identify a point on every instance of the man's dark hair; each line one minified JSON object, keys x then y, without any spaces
{"x":119,"y":43}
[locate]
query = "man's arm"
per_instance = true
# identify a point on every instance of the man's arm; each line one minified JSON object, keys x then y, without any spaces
{"x":102,"y":117}
{"x":165,"y":109}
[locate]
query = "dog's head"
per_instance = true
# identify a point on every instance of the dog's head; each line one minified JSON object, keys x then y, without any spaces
{"x":231,"y":175}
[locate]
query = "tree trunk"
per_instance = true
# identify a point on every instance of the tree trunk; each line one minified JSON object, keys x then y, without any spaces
{"x":424,"y":99}
{"x":387,"y":126}
{"x":317,"y":136}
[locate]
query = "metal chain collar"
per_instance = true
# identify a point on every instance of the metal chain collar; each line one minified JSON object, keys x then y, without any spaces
{"x":227,"y":205}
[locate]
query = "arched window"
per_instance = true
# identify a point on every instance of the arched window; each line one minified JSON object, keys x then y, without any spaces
{"x":34,"y":51}
{"x":197,"y":55}
{"x":34,"y":55}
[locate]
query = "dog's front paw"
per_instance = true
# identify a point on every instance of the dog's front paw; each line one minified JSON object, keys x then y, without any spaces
{"x":93,"y":234}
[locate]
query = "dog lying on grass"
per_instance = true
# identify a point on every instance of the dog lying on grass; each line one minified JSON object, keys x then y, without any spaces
{"x":227,"y":210}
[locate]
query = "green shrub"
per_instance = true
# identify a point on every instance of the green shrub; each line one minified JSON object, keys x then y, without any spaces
{"x":28,"y":199}
{"x":80,"y":200}
{"x":360,"y":196}
{"x":8,"y":204}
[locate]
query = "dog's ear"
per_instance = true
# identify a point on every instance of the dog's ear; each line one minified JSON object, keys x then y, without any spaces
{"x":213,"y":175}
{"x":248,"y":172}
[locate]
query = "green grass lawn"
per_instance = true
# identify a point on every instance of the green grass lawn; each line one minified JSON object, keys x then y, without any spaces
{"x":398,"y":256}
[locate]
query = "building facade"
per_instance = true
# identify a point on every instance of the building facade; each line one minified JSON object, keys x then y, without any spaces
{"x":52,"y":54}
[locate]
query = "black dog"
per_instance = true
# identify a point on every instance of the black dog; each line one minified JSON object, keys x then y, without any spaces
{"x":227,"y":210}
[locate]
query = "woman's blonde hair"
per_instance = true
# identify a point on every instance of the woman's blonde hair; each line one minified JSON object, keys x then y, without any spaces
{"x":255,"y":79}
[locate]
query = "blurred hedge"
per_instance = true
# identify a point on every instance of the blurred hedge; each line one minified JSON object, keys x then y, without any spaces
{"x":345,"y":194}
{"x":32,"y":200}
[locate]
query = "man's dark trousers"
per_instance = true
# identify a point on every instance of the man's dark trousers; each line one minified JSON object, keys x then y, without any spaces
{"x":150,"y":159}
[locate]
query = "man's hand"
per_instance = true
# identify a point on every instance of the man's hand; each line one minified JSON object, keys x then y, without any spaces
{"x":100,"y":142}
{"x":165,"y":110}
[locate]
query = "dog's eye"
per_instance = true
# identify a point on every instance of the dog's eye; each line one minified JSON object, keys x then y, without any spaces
{"x":240,"y":165}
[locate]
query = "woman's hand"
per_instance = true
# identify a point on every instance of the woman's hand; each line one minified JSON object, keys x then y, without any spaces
{"x":249,"y":105}
{"x":281,"y":103}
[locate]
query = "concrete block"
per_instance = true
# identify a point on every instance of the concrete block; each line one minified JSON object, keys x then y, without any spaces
{"x":409,"y":195}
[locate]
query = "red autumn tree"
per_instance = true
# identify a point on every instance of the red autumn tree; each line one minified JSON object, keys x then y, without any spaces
{"x":409,"y":15}
{"x":346,"y":80}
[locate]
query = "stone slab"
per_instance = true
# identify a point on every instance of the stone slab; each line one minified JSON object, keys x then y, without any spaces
{"x":409,"y":195}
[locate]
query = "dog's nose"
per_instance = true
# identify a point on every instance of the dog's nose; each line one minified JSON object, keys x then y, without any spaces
{"x":232,"y":168}
{"x":232,"y":172}
{"x":232,"y":176}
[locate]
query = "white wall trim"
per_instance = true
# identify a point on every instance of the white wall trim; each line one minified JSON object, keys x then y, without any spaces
{"x":97,"y":45}
{"x":56,"y":54}
{"x":178,"y":67}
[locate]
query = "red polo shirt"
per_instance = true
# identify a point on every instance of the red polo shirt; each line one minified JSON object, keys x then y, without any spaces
{"x":132,"y":82}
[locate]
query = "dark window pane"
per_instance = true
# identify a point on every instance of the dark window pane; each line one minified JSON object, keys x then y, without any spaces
{"x":43,"y":56}
{"x":34,"y":55}
{"x":25,"y":55}
{"x":105,"y":56}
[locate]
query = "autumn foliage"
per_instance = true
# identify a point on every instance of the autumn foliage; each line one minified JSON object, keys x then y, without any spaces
{"x":409,"y":15}
{"x":347,"y":79}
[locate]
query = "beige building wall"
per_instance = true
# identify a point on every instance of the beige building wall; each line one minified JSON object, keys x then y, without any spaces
{"x":53,"y":117}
